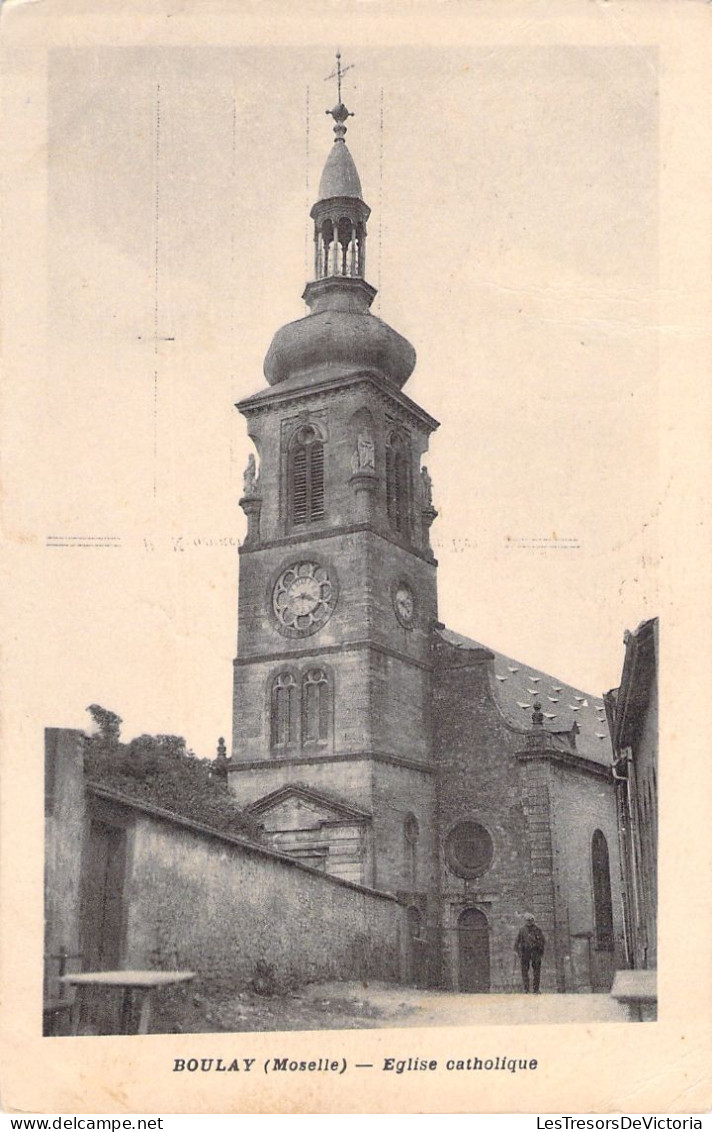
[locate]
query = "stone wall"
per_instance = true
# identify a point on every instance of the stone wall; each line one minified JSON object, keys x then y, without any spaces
{"x":219,"y":906}
{"x":397,"y":794}
{"x":378,"y":668}
{"x":64,"y":825}
{"x":363,"y":404}
{"x":645,"y":763}
{"x":480,"y":780}
{"x":581,"y":805}
{"x":541,"y":806}
{"x":346,"y":778}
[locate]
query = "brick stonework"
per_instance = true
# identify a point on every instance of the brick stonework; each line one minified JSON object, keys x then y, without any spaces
{"x":480,"y":779}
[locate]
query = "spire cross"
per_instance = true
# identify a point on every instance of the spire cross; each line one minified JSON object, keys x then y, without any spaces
{"x":338,"y":73}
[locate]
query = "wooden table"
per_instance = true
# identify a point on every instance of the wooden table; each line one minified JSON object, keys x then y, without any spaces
{"x":142,"y":983}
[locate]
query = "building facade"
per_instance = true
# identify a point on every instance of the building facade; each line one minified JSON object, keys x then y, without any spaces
{"x":371,"y":742}
{"x":633,"y":717}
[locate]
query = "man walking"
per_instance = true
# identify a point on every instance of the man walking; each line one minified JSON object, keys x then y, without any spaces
{"x":530,"y":946}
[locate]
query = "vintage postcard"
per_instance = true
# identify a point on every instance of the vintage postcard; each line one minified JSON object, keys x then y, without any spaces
{"x":356,"y":477}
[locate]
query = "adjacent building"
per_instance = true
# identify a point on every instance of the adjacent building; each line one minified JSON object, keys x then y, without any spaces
{"x":633,"y":718}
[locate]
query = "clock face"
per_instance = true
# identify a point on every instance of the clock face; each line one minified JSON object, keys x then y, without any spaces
{"x":404,"y":604}
{"x":303,"y":598}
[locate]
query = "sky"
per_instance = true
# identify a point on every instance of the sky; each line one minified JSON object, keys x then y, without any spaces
{"x":513,"y":239}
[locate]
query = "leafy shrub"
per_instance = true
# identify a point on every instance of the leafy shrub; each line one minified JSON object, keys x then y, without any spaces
{"x":264,"y":979}
{"x":161,"y":770}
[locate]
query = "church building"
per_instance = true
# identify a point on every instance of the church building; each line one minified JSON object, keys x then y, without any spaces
{"x":370,"y":741}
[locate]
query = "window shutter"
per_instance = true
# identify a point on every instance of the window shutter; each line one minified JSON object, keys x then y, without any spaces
{"x":397,"y":484}
{"x":306,"y":485}
{"x":390,"y":485}
{"x":316,"y":481}
{"x":401,"y":486}
{"x":299,"y":485}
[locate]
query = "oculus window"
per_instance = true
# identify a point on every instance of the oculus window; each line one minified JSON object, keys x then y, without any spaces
{"x":469,"y":849}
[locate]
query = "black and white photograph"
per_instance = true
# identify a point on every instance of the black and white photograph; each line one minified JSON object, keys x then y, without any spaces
{"x":345,"y":556}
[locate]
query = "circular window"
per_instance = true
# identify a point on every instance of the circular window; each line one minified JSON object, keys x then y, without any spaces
{"x":469,"y":849}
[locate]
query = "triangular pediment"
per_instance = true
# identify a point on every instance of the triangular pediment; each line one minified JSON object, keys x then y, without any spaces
{"x":299,"y":807}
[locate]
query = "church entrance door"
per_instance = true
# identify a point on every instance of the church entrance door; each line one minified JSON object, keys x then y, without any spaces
{"x":473,"y":952}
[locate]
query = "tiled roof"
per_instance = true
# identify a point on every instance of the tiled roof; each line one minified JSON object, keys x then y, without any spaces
{"x":516,"y":685}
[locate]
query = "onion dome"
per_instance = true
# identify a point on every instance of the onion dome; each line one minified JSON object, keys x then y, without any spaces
{"x":339,"y":336}
{"x":337,"y":343}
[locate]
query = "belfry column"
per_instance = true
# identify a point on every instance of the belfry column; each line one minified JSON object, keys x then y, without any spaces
{"x":337,"y":592}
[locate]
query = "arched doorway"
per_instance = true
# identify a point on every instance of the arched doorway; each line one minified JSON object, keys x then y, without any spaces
{"x":473,"y":952}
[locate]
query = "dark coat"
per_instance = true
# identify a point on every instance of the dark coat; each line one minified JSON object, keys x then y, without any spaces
{"x":530,"y":940}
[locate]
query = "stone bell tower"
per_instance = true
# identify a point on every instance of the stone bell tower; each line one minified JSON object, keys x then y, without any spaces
{"x":337,"y":594}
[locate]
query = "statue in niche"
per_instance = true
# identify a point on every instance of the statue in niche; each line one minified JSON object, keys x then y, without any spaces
{"x":250,"y":476}
{"x":364,"y":458}
{"x":427,"y":487}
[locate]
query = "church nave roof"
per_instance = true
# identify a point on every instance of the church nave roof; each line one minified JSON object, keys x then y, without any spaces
{"x":518,"y":686}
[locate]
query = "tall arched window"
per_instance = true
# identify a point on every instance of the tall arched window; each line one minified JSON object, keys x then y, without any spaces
{"x":306,"y":477}
{"x":283,"y":712}
{"x":315,"y":706}
{"x":397,"y":482}
{"x":602,"y":902}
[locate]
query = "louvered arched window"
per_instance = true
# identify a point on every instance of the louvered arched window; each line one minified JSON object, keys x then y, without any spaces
{"x":397,"y":482}
{"x":306,"y":477}
{"x":316,"y":706}
{"x":283,"y":712}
